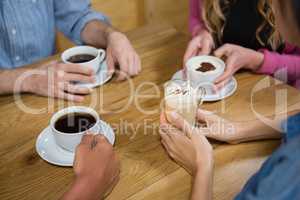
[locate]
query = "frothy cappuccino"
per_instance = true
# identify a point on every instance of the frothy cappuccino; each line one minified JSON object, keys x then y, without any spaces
{"x":182,"y":99}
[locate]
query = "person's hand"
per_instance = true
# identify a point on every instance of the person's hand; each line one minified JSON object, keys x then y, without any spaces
{"x":218,"y":128}
{"x":57,"y":80}
{"x":202,"y":44}
{"x":186,"y":145}
{"x":96,"y":168}
{"x":237,"y":57}
{"x":120,"y":52}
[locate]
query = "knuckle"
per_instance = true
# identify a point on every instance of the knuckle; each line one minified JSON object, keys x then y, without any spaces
{"x":60,"y":74}
{"x":54,"y":74}
{"x":60,"y":66}
{"x":54,"y":79}
{"x":87,"y":137}
{"x":79,"y":147}
{"x":116,"y":159}
{"x":100,"y":137}
{"x":193,"y":43}
{"x":179,"y":122}
{"x":55,"y":93}
{"x":171,"y":154}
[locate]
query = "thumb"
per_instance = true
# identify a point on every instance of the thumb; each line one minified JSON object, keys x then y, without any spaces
{"x":191,"y":50}
{"x":51,"y":63}
{"x":177,"y":121}
{"x":184,"y":74}
{"x":229,"y":70}
{"x":206,"y":48}
{"x":206,"y":116}
{"x":110,"y":63}
{"x":223,"y":51}
{"x":163,"y":119}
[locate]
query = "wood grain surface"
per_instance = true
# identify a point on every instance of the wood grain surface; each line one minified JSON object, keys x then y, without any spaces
{"x":146,"y":172}
{"x":127,"y":15}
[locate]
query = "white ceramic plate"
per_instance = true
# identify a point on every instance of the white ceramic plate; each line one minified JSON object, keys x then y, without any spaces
{"x":52,"y":153}
{"x":101,"y":78}
{"x":210,"y":96}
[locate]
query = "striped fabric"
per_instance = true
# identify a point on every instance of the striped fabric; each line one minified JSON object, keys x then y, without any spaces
{"x":28,"y":27}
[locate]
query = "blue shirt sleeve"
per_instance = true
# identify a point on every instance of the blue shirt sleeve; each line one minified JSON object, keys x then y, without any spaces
{"x":291,"y":128}
{"x":71,"y":16}
{"x":279,"y":177}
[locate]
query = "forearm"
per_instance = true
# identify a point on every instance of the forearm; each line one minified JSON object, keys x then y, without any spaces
{"x":258,"y":130}
{"x":81,"y":189}
{"x":96,"y":33}
{"x":10,"y":81}
{"x":273,"y":62}
{"x":196,"y":23}
{"x":203,"y":185}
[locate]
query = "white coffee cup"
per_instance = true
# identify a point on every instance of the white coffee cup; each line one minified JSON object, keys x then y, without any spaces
{"x":94,"y":64}
{"x":69,"y":141}
{"x":199,"y":78}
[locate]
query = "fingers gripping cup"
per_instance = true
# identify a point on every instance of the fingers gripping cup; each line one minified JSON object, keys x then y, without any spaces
{"x":183,"y":99}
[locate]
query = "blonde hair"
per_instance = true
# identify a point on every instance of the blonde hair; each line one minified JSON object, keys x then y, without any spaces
{"x":215,"y":20}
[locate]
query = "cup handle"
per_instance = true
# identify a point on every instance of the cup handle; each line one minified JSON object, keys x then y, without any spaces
{"x":96,"y":129}
{"x":102,"y":54}
{"x":100,"y":129}
{"x":201,"y":93}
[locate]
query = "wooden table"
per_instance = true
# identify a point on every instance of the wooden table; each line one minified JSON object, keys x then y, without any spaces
{"x":147,"y":172}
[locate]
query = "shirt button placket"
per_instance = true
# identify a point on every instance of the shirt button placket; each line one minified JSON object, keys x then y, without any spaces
{"x":14,"y":31}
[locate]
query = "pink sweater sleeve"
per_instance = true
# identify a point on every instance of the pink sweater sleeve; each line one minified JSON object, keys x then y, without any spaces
{"x":289,"y":61}
{"x":195,"y":19}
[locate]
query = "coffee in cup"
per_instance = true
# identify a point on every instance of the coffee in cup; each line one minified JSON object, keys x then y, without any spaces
{"x":76,"y":122}
{"x":206,"y":67}
{"x":204,"y":70}
{"x":70,"y":124}
{"x":84,"y":56}
{"x":81,"y":58}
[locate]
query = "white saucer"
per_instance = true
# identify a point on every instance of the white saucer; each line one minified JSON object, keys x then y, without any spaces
{"x":210,"y":96}
{"x":101,"y":78}
{"x":52,"y":153}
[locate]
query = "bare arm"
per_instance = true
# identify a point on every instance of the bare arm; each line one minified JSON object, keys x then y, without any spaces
{"x":258,"y":130}
{"x":96,"y":33}
{"x":237,"y":132}
{"x":203,"y":185}
{"x":192,"y":151}
{"x":8,"y":79}
{"x":96,"y":168}
{"x":52,"y":79}
{"x":119,"y":49}
{"x":82,"y":189}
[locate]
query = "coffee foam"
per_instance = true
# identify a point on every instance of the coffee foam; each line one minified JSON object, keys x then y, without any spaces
{"x":177,"y":91}
{"x":181,"y":98}
{"x":215,"y":63}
